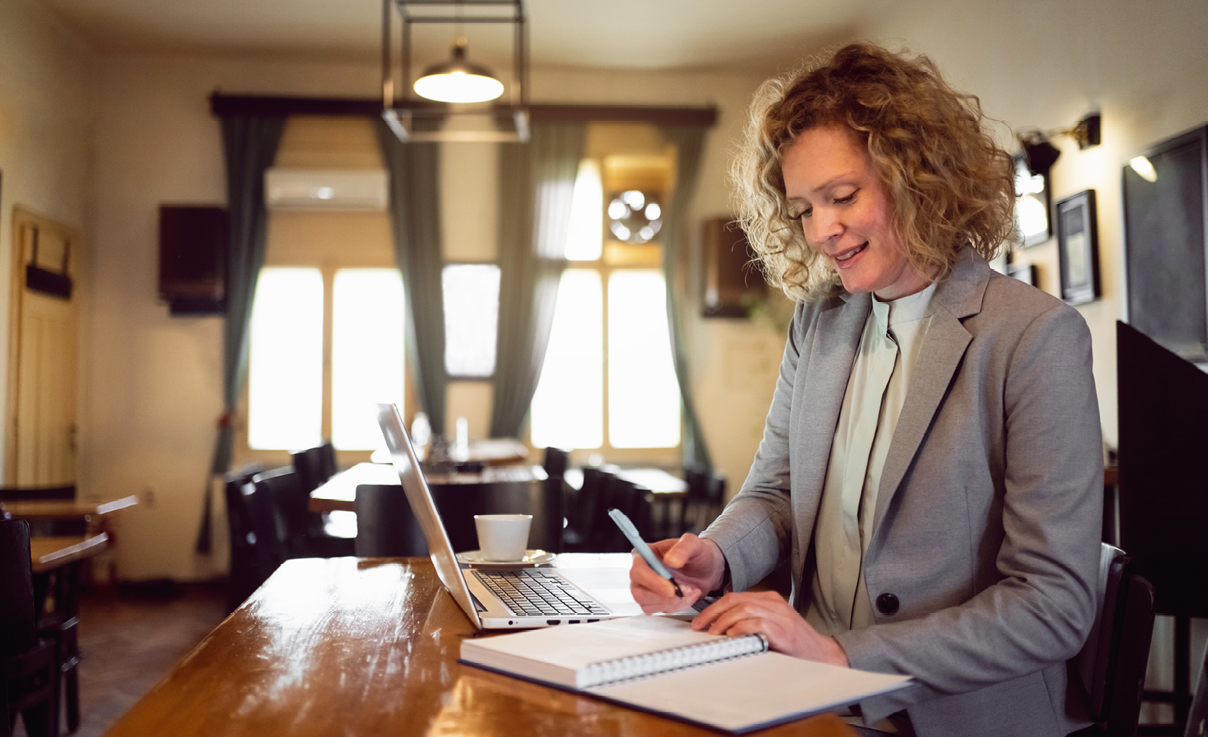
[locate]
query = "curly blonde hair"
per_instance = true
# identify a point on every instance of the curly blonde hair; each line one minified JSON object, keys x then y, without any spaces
{"x":949,"y":182}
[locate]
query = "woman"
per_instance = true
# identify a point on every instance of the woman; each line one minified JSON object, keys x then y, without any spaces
{"x":931,"y":464}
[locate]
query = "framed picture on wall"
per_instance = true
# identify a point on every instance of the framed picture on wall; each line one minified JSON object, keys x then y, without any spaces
{"x":1165,"y":222}
{"x":1078,"y":248}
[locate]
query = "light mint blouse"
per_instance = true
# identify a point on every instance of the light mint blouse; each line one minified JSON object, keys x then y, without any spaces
{"x":876,"y":391}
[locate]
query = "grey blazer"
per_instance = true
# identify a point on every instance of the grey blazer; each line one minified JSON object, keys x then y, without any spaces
{"x":984,"y":555}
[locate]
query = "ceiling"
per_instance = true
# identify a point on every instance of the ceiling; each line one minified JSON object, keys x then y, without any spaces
{"x":750,"y":36}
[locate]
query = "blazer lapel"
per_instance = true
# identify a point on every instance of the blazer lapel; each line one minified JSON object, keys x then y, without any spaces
{"x":816,"y":411}
{"x":957,"y":297}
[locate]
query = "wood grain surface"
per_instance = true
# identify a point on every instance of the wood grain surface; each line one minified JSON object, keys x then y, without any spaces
{"x":369,"y":647}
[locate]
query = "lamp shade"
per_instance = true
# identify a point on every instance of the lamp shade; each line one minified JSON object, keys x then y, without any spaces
{"x":1041,"y":155}
{"x":458,"y":80}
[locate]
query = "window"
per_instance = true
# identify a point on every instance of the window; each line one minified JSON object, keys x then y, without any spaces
{"x":471,"y":300}
{"x":317,"y":365}
{"x":608,"y":382}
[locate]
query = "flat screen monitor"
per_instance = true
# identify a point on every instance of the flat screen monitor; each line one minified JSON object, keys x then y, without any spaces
{"x":1164,"y":238}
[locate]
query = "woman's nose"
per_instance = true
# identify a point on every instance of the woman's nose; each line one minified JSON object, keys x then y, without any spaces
{"x":822,"y":227}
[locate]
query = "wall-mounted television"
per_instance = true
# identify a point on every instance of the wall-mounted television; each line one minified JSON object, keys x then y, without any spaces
{"x":1164,"y":243}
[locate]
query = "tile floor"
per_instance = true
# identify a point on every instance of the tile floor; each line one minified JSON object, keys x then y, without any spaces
{"x":130,"y":638}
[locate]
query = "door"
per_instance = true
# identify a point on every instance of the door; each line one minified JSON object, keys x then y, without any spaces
{"x":42,"y":368}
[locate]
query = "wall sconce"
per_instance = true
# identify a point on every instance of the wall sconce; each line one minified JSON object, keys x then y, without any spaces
{"x":507,"y":122}
{"x":1032,"y":165}
{"x":1041,"y":155}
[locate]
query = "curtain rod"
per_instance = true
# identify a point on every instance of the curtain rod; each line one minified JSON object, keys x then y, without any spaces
{"x":224,"y":105}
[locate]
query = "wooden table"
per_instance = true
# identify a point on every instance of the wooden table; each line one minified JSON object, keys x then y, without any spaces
{"x":65,"y":508}
{"x":49,"y":553}
{"x":353,"y":647}
{"x":340,"y":492}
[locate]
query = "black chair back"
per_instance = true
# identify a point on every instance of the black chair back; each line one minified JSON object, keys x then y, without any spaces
{"x":306,"y":465}
{"x":268,"y":529}
{"x":29,"y":667}
{"x":555,"y":464}
{"x":386,"y":526}
{"x":1113,"y":662}
{"x":18,"y":630}
{"x":325,"y":455}
{"x":589,"y":517}
{"x":634,"y":501}
{"x":291,"y":512}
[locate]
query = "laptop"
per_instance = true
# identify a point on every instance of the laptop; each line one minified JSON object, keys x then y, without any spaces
{"x":504,"y":598}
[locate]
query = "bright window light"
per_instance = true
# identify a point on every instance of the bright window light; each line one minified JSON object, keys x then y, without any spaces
{"x":285,"y":364}
{"x":367,"y":353}
{"x":643,"y":394}
{"x":568,"y":408}
{"x":471,"y":293}
{"x":585,"y":241}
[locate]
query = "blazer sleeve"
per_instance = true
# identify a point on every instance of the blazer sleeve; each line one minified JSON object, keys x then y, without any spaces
{"x":755,"y":530}
{"x":1040,"y":610}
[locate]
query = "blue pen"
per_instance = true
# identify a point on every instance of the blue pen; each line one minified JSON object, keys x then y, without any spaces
{"x":631,"y":534}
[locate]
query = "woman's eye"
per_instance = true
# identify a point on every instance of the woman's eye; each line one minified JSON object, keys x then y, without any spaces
{"x":846,"y":200}
{"x":804,"y":214}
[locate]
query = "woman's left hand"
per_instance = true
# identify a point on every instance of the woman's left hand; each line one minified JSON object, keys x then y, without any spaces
{"x":767,"y":613}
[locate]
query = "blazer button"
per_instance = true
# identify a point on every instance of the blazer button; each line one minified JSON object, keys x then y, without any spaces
{"x":887,"y":604}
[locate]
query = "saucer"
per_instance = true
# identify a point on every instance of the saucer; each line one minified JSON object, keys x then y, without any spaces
{"x":531,"y":558}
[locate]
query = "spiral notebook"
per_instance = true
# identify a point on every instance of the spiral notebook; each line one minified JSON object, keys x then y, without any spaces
{"x":662,"y":666}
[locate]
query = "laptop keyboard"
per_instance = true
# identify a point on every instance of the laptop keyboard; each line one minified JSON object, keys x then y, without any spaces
{"x":534,"y":592}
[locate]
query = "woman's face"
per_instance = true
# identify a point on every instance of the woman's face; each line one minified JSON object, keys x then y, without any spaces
{"x":844,"y":209}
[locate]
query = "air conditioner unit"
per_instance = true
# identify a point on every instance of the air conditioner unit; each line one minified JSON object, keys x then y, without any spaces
{"x":326,"y":189}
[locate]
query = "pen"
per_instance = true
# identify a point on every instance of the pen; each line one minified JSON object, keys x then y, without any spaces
{"x":631,"y":534}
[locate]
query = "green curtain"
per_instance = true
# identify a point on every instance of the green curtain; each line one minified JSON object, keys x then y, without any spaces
{"x":689,"y":143}
{"x":536,"y":183}
{"x":250,"y":145}
{"x":415,"y":213}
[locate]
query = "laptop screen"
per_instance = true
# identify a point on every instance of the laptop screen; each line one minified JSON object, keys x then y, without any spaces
{"x":440,"y":550}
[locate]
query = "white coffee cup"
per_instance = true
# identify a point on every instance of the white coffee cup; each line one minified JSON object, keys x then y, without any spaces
{"x":503,"y":537}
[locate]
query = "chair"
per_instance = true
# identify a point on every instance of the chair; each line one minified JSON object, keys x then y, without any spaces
{"x":1197,"y":718}
{"x":62,"y":627}
{"x":587,"y":513}
{"x":29,"y":665}
{"x":1113,"y":661}
{"x":307,"y":535}
{"x":256,"y":535}
{"x":555,"y":464}
{"x":630,"y":499}
{"x":245,"y":564}
{"x":326,"y":455}
{"x":386,"y":526}
{"x":325,"y":536}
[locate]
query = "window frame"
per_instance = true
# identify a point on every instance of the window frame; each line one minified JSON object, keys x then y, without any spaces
{"x":328,"y":261}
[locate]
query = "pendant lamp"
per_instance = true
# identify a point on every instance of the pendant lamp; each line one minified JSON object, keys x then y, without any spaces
{"x":458,"y":80}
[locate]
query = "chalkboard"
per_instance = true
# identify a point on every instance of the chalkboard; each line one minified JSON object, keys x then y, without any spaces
{"x":1164,"y":224}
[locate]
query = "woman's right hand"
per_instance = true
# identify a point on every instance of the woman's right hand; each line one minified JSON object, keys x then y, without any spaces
{"x":697,"y":565}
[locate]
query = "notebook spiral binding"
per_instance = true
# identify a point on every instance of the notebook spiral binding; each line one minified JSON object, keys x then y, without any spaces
{"x":625,"y":669}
